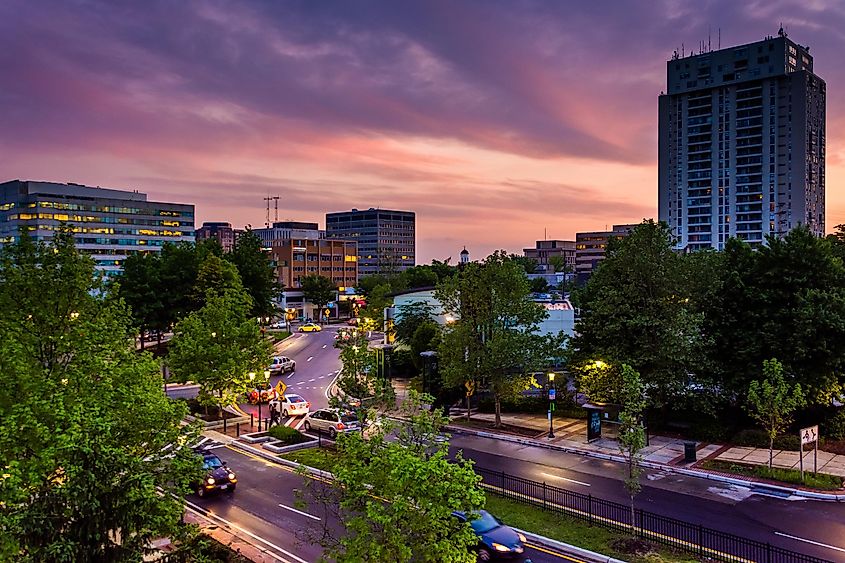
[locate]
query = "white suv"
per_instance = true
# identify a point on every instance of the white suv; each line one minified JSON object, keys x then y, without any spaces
{"x":291,"y":405}
{"x":333,"y":421}
{"x":282,"y":364}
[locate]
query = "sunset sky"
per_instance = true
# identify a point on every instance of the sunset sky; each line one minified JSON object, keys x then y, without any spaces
{"x":492,"y":120}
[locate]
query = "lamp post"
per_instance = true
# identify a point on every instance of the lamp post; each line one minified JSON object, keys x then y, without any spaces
{"x":252,"y":382}
{"x":551,"y":403}
{"x":266,"y":384}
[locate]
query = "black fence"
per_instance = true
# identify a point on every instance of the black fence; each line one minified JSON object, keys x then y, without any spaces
{"x":693,"y":538}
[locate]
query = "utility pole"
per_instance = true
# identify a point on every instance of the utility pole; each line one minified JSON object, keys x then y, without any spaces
{"x":267,"y":223}
{"x":276,"y":202}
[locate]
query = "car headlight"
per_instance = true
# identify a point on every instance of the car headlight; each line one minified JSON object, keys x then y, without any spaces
{"x":500,"y":547}
{"x":210,"y":480}
{"x":521,"y":537}
{"x":232,"y":478}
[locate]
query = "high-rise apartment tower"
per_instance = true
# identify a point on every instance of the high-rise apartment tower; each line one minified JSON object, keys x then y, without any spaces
{"x":742,"y":144}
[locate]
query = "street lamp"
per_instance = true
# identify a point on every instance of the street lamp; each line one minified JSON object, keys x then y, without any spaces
{"x":551,"y":403}
{"x":266,"y":384}
{"x":252,"y":382}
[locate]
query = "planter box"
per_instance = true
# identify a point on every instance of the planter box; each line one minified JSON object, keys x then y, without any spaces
{"x":257,"y":437}
{"x":214,"y":424}
{"x":276,"y":447}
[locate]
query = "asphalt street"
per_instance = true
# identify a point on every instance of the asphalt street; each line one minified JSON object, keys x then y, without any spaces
{"x":267,"y":507}
{"x":813,"y":527}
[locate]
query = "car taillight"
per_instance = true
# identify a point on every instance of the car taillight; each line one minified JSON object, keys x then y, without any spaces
{"x":307,"y":405}
{"x":340,"y":426}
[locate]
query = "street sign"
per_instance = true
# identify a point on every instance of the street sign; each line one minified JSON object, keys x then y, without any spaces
{"x":470,"y":385}
{"x":809,"y":435}
{"x":280,"y":389}
{"x":551,"y":394}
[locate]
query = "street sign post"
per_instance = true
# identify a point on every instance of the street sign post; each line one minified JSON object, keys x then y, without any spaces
{"x":809,"y":435}
{"x":280,"y":389}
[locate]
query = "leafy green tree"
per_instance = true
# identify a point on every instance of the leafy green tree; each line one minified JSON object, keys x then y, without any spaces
{"x":257,"y":274}
{"x":420,"y":276}
{"x":366,"y":284}
{"x":88,"y":439}
{"x":394,"y":499}
{"x":443,"y":269}
{"x":178,"y":277}
{"x":318,"y":290}
{"x":218,"y":346}
{"x":494,"y":339}
{"x":215,"y":277}
{"x":636,"y":309}
{"x":358,"y":377}
{"x":558,"y":263}
{"x":599,"y":381}
{"x":426,"y":337}
{"x":140,"y":287}
{"x":410,"y":317}
{"x":529,"y":265}
{"x":772,"y":402}
{"x":421,"y":429}
{"x":539,"y":285}
{"x":632,"y":431}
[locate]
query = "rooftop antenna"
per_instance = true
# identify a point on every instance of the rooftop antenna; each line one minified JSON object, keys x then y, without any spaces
{"x":276,"y":202}
{"x":267,"y":199}
{"x":720,"y":39}
{"x":683,"y":54}
{"x":709,"y":36}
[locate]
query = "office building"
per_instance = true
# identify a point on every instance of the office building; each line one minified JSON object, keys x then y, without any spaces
{"x":545,"y":249}
{"x":742,"y":144}
{"x":386,"y":238}
{"x":285,"y":230}
{"x":108,"y":224}
{"x":590,"y":248}
{"x":223,"y":232}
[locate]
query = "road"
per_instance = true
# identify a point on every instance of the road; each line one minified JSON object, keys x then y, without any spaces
{"x":267,"y":507}
{"x":819,"y":525}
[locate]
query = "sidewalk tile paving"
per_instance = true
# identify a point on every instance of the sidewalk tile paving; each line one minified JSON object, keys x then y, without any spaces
{"x":572,"y":433}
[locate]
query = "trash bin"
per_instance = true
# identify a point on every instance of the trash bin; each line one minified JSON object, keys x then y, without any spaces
{"x":689,"y":452}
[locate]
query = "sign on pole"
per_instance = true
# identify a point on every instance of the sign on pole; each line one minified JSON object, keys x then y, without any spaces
{"x":280,"y":389}
{"x":552,"y":394}
{"x":809,"y":435}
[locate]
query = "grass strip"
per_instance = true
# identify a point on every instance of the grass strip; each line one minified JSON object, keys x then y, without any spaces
{"x":319,"y":458}
{"x":575,"y":532}
{"x":821,"y":481}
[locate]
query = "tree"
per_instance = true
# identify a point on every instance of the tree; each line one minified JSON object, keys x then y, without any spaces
{"x":420,"y":276}
{"x":319,"y":290}
{"x":139,"y":286}
{"x":410,"y":317}
{"x":529,"y":265}
{"x":214,"y":278}
{"x":599,"y":381}
{"x":558,"y":263}
{"x":394,"y":499}
{"x":772,"y":402}
{"x":257,"y":274}
{"x":178,"y":277}
{"x":358,"y":377}
{"x":218,"y":346}
{"x":631,"y":431}
{"x":539,"y":285}
{"x":92,"y":470}
{"x":426,"y":337}
{"x":494,"y":339}
{"x":636,"y":309}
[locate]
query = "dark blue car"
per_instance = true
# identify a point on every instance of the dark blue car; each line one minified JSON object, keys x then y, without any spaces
{"x":496,"y":542}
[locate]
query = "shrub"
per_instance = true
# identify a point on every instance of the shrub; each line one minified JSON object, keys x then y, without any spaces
{"x":565,"y":405}
{"x":711,"y":431}
{"x":834,"y":427}
{"x":756,"y":438}
{"x":288,"y":435}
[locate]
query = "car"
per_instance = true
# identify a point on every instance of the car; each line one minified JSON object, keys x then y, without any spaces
{"x":261,"y":395}
{"x":345,"y":333}
{"x":290,"y":404}
{"x":282,"y":364}
{"x":279,"y":324}
{"x":310,"y":327}
{"x":496,"y":541}
{"x":218,"y":477}
{"x":353,"y":321}
{"x":333,"y":421}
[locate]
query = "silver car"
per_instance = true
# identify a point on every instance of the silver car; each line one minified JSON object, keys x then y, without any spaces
{"x":332,"y":421}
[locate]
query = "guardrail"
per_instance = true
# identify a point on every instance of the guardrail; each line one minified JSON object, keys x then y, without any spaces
{"x":692,"y":538}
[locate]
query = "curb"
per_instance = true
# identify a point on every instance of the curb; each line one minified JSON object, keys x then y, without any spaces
{"x":279,"y":461}
{"x":540,"y":540}
{"x":549,"y":543}
{"x":828,"y":497}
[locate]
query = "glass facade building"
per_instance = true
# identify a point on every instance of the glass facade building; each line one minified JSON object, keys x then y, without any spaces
{"x":386,"y":239}
{"x":108,"y":224}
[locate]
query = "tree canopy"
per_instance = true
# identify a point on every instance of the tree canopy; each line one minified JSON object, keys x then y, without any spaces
{"x":84,"y":421}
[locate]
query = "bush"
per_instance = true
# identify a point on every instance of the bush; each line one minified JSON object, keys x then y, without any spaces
{"x":710,"y":431}
{"x":565,"y":405}
{"x":402,"y":364}
{"x":288,"y":435}
{"x":834,"y":427}
{"x":757,"y":438}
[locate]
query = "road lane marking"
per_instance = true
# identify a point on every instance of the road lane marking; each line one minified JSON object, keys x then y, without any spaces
{"x":796,"y":538}
{"x":309,"y":358}
{"x":321,"y":377}
{"x":566,"y":479}
{"x":324,"y":345}
{"x":311,"y":380}
{"x":300,"y":423}
{"x":317,"y":518}
{"x":555,"y":553}
{"x":291,"y":374}
{"x":200,"y":510}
